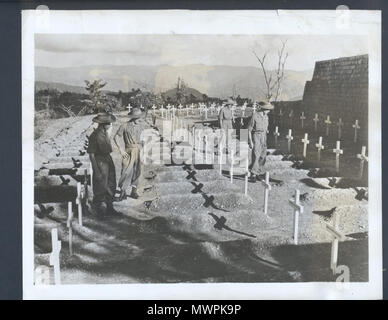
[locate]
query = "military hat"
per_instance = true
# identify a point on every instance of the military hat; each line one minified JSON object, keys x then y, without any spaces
{"x":136,"y":113}
{"x":263,"y":105}
{"x":104,"y":118}
{"x":230,"y":102}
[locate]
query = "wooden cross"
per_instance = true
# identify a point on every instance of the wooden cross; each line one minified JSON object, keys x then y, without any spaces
{"x":205,"y":108}
{"x":302,"y":118}
{"x":206,"y":147}
{"x":362,"y":156}
{"x":298,"y":208}
{"x":187,"y":111}
{"x":337,"y":235}
{"x":220,"y":157}
{"x":91,"y":175}
{"x":254,"y":107}
{"x":153,"y":107}
{"x":305,"y":143}
{"x":193,"y":137}
{"x":290,"y":115}
{"x":289,"y":137}
{"x":267,"y":188}
{"x":54,"y":255}
{"x":276,"y":134}
{"x":246,"y":176}
{"x":339,"y":125}
{"x":328,"y":123}
{"x":70,"y":226}
{"x":337,"y":152}
{"x":162,"y":110}
{"x":231,"y":165}
{"x":320,"y":147}
{"x":129,"y":107}
{"x":78,"y":201}
{"x":316,"y":120}
{"x":173,"y":111}
{"x":356,"y":127}
{"x":281,"y":117}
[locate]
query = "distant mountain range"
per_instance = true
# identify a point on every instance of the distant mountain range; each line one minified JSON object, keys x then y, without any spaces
{"x":215,"y":81}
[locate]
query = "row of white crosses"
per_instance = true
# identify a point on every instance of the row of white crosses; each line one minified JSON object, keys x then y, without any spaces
{"x":338,"y":151}
{"x":328,"y":122}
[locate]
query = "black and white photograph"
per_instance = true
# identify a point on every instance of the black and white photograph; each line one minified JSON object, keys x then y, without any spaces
{"x":235,"y":158}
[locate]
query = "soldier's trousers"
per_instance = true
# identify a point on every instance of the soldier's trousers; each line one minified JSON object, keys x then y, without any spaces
{"x":130,"y":169}
{"x":226,"y":133}
{"x":105,"y":187}
{"x":259,"y":152}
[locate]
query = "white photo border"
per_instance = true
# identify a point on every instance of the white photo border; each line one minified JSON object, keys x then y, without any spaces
{"x":239,"y":22}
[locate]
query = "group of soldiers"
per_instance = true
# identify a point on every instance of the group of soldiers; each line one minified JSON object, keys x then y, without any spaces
{"x":257,"y":134}
{"x":105,"y":190}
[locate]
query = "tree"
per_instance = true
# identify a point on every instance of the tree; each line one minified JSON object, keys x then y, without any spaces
{"x":96,"y":102}
{"x":274,"y":80}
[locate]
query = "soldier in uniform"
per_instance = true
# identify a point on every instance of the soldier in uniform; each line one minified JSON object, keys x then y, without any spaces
{"x":130,"y":132}
{"x":226,"y":120}
{"x":257,"y":135}
{"x":104,"y":174}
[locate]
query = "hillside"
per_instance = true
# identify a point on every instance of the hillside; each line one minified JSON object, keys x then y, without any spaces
{"x":41,"y":85}
{"x":214,"y":81}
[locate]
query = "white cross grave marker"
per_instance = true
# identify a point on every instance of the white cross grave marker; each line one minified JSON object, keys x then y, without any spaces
{"x":316,"y":120}
{"x":70,"y":226}
{"x":246,"y":176}
{"x":267,"y":187}
{"x":356,"y":127}
{"x":302,"y":118}
{"x":78,"y":201}
{"x":298,"y":208}
{"x":91,"y":175}
{"x":328,"y":123}
{"x":206,"y":147}
{"x":220,"y":157}
{"x":337,"y":152}
{"x":231,"y":166}
{"x":320,"y":147}
{"x":291,"y":115}
{"x":362,"y":156}
{"x":129,"y":107}
{"x":54,"y":255}
{"x":337,"y":235}
{"x":339,"y":125}
{"x":305,"y":141}
{"x":289,"y":137}
{"x":276,"y":134}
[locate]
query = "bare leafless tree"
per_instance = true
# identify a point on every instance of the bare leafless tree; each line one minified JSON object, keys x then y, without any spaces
{"x":273,"y":80}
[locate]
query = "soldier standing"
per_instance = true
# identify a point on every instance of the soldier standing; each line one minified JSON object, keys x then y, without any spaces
{"x":130,"y":132}
{"x":104,"y":174}
{"x":257,"y":135}
{"x":226,"y":123}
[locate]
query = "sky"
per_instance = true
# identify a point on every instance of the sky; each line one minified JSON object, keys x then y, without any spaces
{"x":64,"y":50}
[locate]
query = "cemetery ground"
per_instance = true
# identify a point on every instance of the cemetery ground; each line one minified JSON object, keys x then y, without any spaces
{"x":193,"y":225}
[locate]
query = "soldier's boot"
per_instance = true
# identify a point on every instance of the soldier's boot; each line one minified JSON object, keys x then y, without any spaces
{"x":110,"y":210}
{"x":134,"y":193}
